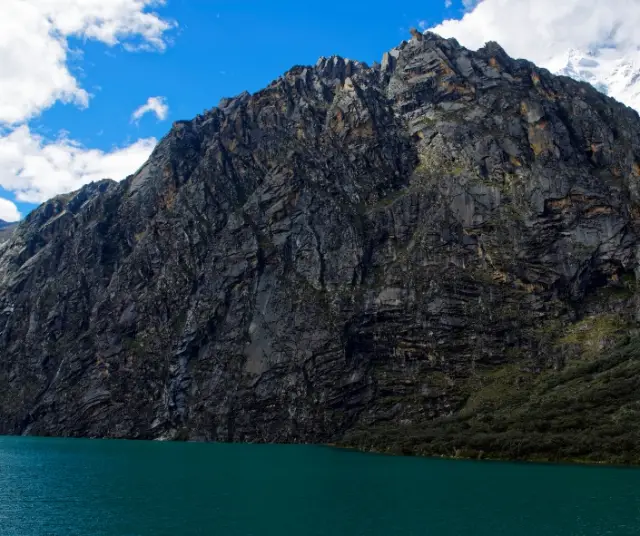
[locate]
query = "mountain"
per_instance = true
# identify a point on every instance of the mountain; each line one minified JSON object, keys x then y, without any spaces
{"x":6,"y":229}
{"x":437,"y":254}
{"x":609,"y":71}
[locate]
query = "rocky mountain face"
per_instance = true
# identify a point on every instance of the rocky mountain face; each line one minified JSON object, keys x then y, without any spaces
{"x":437,"y":254}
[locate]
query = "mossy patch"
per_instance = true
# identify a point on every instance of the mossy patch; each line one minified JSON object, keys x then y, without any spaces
{"x":490,"y":390}
{"x":593,"y":334}
{"x":587,"y":412}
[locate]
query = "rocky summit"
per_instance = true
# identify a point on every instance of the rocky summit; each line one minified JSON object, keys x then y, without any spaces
{"x":437,"y":254}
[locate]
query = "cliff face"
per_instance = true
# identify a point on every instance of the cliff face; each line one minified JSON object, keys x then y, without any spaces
{"x":366,"y":255}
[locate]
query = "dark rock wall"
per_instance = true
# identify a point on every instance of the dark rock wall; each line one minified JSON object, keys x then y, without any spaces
{"x":351,"y":246}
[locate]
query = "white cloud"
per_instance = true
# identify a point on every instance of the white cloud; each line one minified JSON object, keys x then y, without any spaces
{"x":36,"y":169}
{"x":34,"y":49}
{"x":8,"y":210}
{"x":448,"y":3}
{"x":35,"y":73}
{"x":156,"y":105}
{"x":544,"y":30}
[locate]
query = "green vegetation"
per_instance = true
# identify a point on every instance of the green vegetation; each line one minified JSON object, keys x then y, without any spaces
{"x":134,"y":345}
{"x":388,"y":200}
{"x":588,"y":412}
{"x":594,"y":333}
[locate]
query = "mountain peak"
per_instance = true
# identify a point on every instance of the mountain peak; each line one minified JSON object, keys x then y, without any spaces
{"x":612,"y":72}
{"x":388,"y":257}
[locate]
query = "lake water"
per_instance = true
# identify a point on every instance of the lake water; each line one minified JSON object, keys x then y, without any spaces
{"x":72,"y":487}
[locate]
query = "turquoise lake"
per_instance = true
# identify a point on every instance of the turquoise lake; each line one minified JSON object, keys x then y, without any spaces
{"x":67,"y":487}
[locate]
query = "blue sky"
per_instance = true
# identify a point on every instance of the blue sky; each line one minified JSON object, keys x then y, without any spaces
{"x":215,"y":49}
{"x":85,"y":70}
{"x":221,"y":48}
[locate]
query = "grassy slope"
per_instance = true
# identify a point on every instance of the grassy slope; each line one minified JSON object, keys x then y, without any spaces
{"x":589,"y":411}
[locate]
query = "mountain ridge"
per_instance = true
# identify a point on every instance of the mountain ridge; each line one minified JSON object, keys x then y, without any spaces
{"x":373,"y":256}
{"x":6,"y":229}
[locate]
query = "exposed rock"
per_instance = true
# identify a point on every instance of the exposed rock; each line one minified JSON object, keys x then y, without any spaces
{"x":418,"y":36}
{"x":350,"y":248}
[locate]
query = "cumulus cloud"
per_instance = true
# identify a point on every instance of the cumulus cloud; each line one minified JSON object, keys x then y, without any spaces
{"x":34,"y":48}
{"x":35,"y":74}
{"x":36,"y":169}
{"x":8,"y":210}
{"x":155,"y":105}
{"x":545,"y":30}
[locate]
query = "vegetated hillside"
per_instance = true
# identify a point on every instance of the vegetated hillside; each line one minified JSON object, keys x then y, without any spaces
{"x":437,"y":254}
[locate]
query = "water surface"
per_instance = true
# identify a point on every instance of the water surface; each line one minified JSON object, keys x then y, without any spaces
{"x":67,"y":487}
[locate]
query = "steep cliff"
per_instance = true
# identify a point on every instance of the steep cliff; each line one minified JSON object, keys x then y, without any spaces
{"x":437,"y":254}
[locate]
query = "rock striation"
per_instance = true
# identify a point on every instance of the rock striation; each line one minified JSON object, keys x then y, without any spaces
{"x":437,"y":254}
